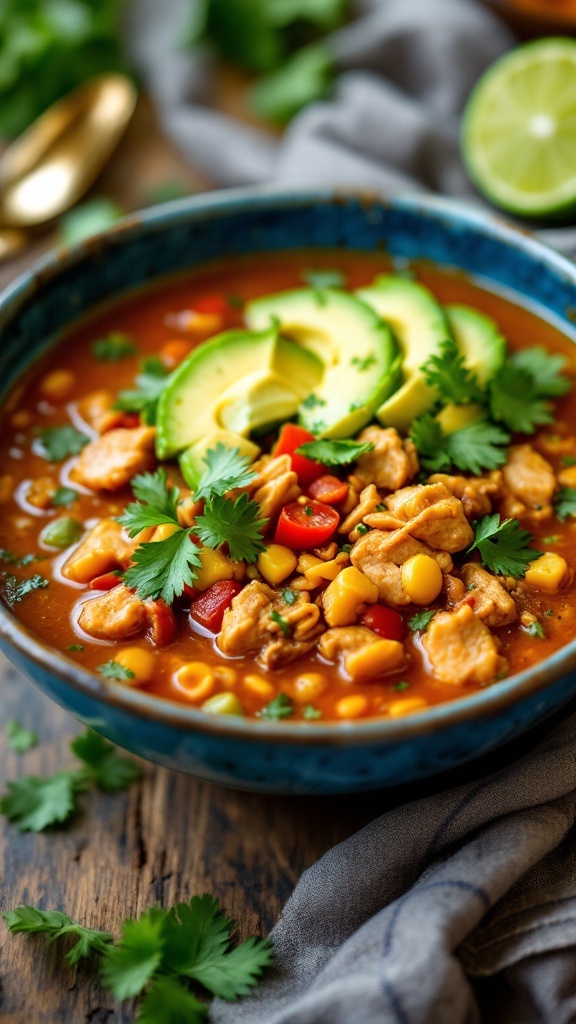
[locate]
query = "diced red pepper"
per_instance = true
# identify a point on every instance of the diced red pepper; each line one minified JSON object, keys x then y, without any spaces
{"x":328,"y":489}
{"x":385,"y":622}
{"x":174,"y":352}
{"x":105,"y":582}
{"x":306,"y":526}
{"x":189,"y":592}
{"x":161,"y":622}
{"x":211,"y":304}
{"x":291,"y":437}
{"x":208,"y":609}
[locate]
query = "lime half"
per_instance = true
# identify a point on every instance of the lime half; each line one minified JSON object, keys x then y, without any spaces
{"x":519,"y":130}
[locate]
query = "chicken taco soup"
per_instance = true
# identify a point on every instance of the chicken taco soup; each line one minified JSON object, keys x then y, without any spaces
{"x":293,"y":493}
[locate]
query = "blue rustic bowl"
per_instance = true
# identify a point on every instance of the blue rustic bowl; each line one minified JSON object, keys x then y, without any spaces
{"x":269,"y":756}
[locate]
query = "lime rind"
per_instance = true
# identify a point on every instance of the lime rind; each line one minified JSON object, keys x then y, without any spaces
{"x":519,"y":130}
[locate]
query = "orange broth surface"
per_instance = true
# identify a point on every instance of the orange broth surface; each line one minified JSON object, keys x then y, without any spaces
{"x":145,"y":316}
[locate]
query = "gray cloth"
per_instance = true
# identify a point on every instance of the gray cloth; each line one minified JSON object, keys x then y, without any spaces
{"x":400,"y":922}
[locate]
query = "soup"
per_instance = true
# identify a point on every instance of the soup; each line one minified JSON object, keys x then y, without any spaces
{"x":293,"y":493}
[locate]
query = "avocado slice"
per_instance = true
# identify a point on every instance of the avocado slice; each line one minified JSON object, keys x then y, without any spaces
{"x":191,"y":460}
{"x":479,"y":339}
{"x":233,"y":382}
{"x":420,"y":325}
{"x":359,"y":355}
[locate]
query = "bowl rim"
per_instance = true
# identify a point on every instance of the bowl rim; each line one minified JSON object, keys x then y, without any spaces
{"x":488,"y":702}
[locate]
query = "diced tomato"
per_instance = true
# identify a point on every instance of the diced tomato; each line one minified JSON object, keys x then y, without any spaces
{"x":306,"y":526}
{"x":385,"y":622}
{"x":161,"y":622}
{"x":211,"y":304}
{"x":291,"y":437}
{"x":328,"y":489}
{"x":209,"y":608}
{"x":105,"y":582}
{"x":127,"y":420}
{"x":173,"y":352}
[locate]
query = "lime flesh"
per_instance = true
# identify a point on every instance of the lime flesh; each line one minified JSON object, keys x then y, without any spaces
{"x":519,"y":130}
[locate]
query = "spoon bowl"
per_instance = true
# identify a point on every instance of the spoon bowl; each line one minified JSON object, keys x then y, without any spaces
{"x":51,"y":166}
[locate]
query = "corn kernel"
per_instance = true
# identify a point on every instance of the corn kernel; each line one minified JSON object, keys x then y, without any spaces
{"x":308,"y":686}
{"x":216,"y":566}
{"x":21,"y":419}
{"x":164,"y":531}
{"x":567,"y":478}
{"x":375,"y":659}
{"x":406,"y":706}
{"x":276,"y":563}
{"x":324,"y":571}
{"x":223,"y":704}
{"x":196,"y":680}
{"x":344,"y":596}
{"x":422,"y":579}
{"x":455,"y":417}
{"x":259,"y":686}
{"x":57,"y":385}
{"x":226,"y":676}
{"x":139,"y":661}
{"x":547,"y":572}
{"x":351,"y":707}
{"x":306,"y":562}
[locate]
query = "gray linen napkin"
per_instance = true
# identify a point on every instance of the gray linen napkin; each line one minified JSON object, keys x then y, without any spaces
{"x":400,"y":922}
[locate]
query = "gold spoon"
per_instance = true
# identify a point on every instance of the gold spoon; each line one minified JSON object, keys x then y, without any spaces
{"x":48,"y":168}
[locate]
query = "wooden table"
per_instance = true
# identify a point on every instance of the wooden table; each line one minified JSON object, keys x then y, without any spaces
{"x":167,"y":837}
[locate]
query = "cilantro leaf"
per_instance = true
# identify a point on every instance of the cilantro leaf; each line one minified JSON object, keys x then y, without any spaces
{"x":133,"y":961}
{"x":58,"y":443}
{"x":33,"y":804}
{"x":515,"y":400}
{"x":144,"y":398}
{"x":164,"y":568}
{"x":545,"y":368}
{"x":104,"y":765}
{"x":235,"y":522}
{"x":334,"y":453}
{"x":87,"y":219}
{"x":226,"y":469}
{"x":565,"y":502}
{"x":56,"y":925}
{"x":289,"y":596}
{"x":281,"y":622}
{"x":420,"y":621}
{"x":309,"y":712}
{"x":14,"y":590}
{"x":167,"y":1001}
{"x":362,"y":364}
{"x":198,"y":947}
{"x":20,"y":739}
{"x":535,"y":629}
{"x":280,"y":707}
{"x":113,"y":347}
{"x":479,"y":446}
{"x":64,"y":496}
{"x":449,"y":376}
{"x":504,"y":546}
{"x":323,"y":278}
{"x":114,"y":670}
{"x":306,"y":76}
{"x":157,"y":503}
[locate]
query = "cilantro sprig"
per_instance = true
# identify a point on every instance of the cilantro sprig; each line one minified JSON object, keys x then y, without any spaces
{"x":334,"y":453}
{"x":113,"y":347}
{"x":59,"y":443}
{"x":565,"y":502}
{"x":504,"y":546}
{"x":33,"y":804}
{"x":164,"y":568}
{"x":20,"y":739}
{"x":160,"y":955}
{"x":150,"y":383}
{"x":447,"y":373}
{"x":474,"y":448}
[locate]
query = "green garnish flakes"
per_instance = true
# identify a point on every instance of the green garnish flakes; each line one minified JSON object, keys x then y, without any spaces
{"x":334,"y":453}
{"x":113,"y":347}
{"x":59,"y":443}
{"x":113,"y":670}
{"x":20,"y":739}
{"x":504,"y":546}
{"x":420,"y":621}
{"x":280,"y":707}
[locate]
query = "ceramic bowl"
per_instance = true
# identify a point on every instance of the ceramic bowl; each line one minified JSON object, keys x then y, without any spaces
{"x":282,"y":756}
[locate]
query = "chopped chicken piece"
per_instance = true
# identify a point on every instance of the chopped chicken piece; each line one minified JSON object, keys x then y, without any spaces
{"x":454,"y":589}
{"x":106,"y":547}
{"x":96,"y":409}
{"x":477,"y":493}
{"x":275,"y":484}
{"x":343,"y":640}
{"x":380,"y":555}
{"x":529,"y":484}
{"x":492,"y":603}
{"x":260,"y":620}
{"x":111,"y":461}
{"x":392,"y":461}
{"x":433,"y":515}
{"x":462,"y":649}
{"x":115,"y":615}
{"x":367,"y":502}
